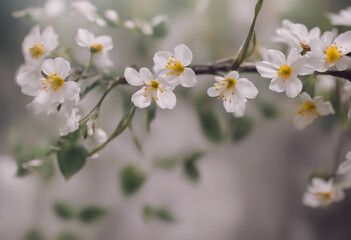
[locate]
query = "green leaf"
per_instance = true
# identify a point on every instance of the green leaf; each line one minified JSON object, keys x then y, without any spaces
{"x":243,"y":52}
{"x":189,"y":167}
{"x":241,"y":127}
{"x":70,"y":139}
{"x":160,"y":28}
{"x":71,"y":160}
{"x":167,"y":163}
{"x":67,"y":236}
{"x":210,"y":122}
{"x":34,"y":234}
{"x":269,"y":110}
{"x":163,"y":214}
{"x":131,"y":179}
{"x":63,"y":210}
{"x":150,"y":115}
{"x":125,"y":121}
{"x":92,"y":214}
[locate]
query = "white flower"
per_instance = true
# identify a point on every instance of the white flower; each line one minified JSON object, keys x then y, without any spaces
{"x":284,"y":72}
{"x":321,"y":193}
{"x":88,"y":10}
{"x":51,"y":9}
{"x":28,"y":79}
{"x":71,"y":123}
{"x":96,"y":137}
{"x":156,"y":90}
{"x":341,"y":19}
{"x":344,"y":172}
{"x":172,"y":67}
{"x":240,"y":112}
{"x":327,"y":52}
{"x":36,"y":46}
{"x":112,"y":15}
{"x":55,"y":89}
{"x":234,"y":91}
{"x":100,"y":45}
{"x":310,"y":110}
{"x":297,"y":35}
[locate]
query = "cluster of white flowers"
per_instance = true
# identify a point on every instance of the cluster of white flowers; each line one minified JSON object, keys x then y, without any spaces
{"x":321,"y":193}
{"x":309,"y":52}
{"x":48,"y":81}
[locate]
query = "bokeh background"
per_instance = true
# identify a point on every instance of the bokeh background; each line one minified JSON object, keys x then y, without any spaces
{"x":250,"y":188}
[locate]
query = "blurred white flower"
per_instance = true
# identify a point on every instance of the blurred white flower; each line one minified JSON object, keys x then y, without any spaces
{"x":36,"y":46}
{"x":341,"y":19}
{"x":96,"y":137}
{"x":28,"y":79}
{"x":326,"y":52}
{"x":55,"y":89}
{"x":100,"y":45}
{"x":325,"y":83}
{"x":51,"y":9}
{"x":344,"y":172}
{"x":297,"y":35}
{"x":310,"y":110}
{"x":284,"y":71}
{"x":240,"y":112}
{"x":112,"y":15}
{"x":88,"y":10}
{"x":156,"y":90}
{"x":321,"y":193}
{"x":233,"y":91}
{"x":172,"y":67}
{"x":70,"y":123}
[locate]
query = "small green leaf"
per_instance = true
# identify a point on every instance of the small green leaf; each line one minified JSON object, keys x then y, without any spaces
{"x":241,"y":127}
{"x":160,"y":26}
{"x":161,"y":213}
{"x":34,"y":234}
{"x":70,"y":139}
{"x":167,"y":163}
{"x":269,"y":110}
{"x":63,"y":210}
{"x":190,"y":168}
{"x":243,"y":52}
{"x":131,"y":179}
{"x":150,"y":116}
{"x":92,"y":214}
{"x":71,"y":160}
{"x":67,"y":236}
{"x":125,"y":121}
{"x":210,"y":123}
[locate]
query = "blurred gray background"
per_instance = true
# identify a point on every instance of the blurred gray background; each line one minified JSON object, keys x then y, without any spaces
{"x":251,"y":189}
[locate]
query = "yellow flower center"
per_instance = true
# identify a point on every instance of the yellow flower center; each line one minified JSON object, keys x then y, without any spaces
{"x":177,"y":67}
{"x":305,"y":47}
{"x":96,"y":48}
{"x":284,"y":71}
{"x":53,"y":81}
{"x":308,"y":108}
{"x":327,"y":196}
{"x":332,"y":54}
{"x":154,"y":84}
{"x":37,"y":50}
{"x":231,"y":82}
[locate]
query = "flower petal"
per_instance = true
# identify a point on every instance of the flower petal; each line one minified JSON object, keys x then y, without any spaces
{"x":168,"y":98}
{"x":293,"y":87}
{"x":160,"y":60}
{"x":84,"y":38}
{"x":133,"y":77}
{"x":266,"y":70}
{"x":140,"y":100}
{"x":277,"y":58}
{"x":246,"y":88}
{"x":183,"y":54}
{"x":187,"y":78}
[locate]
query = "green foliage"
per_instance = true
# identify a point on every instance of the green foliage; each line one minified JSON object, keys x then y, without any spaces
{"x":131,"y":179}
{"x":125,"y":121}
{"x":190,"y":168}
{"x":163,"y":214}
{"x":91,"y":214}
{"x":269,"y":110}
{"x":34,"y":234}
{"x":150,"y":115}
{"x":71,"y":160}
{"x":241,"y":127}
{"x":210,"y":122}
{"x":250,"y":39}
{"x":67,"y":236}
{"x":70,"y":139}
{"x":160,"y":29}
{"x":166,"y":163}
{"x":63,"y":211}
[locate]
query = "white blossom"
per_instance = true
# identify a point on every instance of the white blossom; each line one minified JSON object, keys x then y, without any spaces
{"x":327,"y":52}
{"x":36,"y":46}
{"x":310,"y":110}
{"x":28,"y":78}
{"x":321,"y":193}
{"x":100,"y":46}
{"x":233,"y":91}
{"x":96,"y":137}
{"x":112,"y":15}
{"x":284,"y":71}
{"x":297,"y":35}
{"x":55,"y":89}
{"x":51,"y":9}
{"x":341,"y":19}
{"x":70,"y":123}
{"x":344,"y":172}
{"x":154,"y":89}
{"x":88,"y":10}
{"x":173,"y":67}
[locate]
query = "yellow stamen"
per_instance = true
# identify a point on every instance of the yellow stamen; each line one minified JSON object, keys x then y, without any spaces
{"x":154,"y":84}
{"x":53,"y":81}
{"x":177,"y":67}
{"x":332,"y":54}
{"x":308,"y":109}
{"x":284,"y":71}
{"x":327,"y":196}
{"x":231,"y":82}
{"x":37,"y":50}
{"x":96,"y":48}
